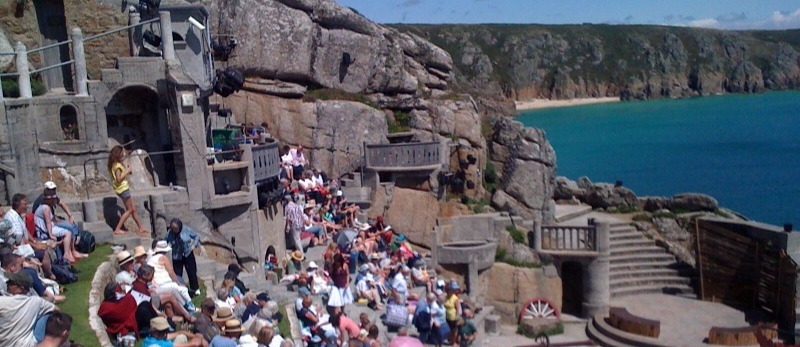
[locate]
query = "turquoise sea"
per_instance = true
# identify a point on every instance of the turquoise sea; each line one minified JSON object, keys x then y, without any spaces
{"x":744,"y":150}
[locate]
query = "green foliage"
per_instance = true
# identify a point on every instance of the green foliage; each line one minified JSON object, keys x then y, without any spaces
{"x":517,"y":235}
{"x":335,"y":94}
{"x":642,"y":217}
{"x":11,"y":88}
{"x":479,"y":205}
{"x":501,"y":256}
{"x":78,"y":297}
{"x":556,"y":330}
{"x":401,"y":122}
{"x":664,"y":215}
{"x":624,"y":209}
{"x":487,"y":127}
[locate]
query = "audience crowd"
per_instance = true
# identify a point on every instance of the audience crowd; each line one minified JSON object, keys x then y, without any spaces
{"x":364,"y":263}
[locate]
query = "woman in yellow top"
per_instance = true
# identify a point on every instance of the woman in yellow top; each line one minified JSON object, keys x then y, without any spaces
{"x":119,"y":173}
{"x":452,"y":309}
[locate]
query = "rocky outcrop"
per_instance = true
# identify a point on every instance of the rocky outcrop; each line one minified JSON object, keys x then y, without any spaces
{"x":631,"y":62}
{"x":526,"y":163}
{"x":414,"y":213}
{"x":686,"y":202}
{"x":322,"y":43}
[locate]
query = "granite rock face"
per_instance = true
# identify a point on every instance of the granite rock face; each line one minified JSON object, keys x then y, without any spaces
{"x":519,"y":286}
{"x":526,"y":162}
{"x":325,"y":44}
{"x":499,"y":64}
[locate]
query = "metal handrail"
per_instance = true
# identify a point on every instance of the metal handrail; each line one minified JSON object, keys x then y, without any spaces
{"x":86,"y":187}
{"x":94,"y":37}
{"x":9,"y":74}
{"x":53,"y":66}
{"x":37,"y":49}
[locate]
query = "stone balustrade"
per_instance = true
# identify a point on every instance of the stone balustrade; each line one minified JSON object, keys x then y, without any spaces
{"x":569,"y":238}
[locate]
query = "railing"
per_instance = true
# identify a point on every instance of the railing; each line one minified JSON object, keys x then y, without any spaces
{"x":568,"y":238}
{"x":266,"y":161}
{"x":402,"y":155}
{"x":77,"y":40}
{"x":148,"y":156}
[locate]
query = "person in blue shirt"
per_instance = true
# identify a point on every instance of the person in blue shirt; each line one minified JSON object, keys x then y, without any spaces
{"x":160,"y":336}
{"x":184,"y":240}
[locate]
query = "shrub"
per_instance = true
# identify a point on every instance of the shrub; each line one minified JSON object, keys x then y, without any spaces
{"x":11,"y":88}
{"x":401,"y":122}
{"x":490,"y":173}
{"x":479,"y":205}
{"x":642,"y":217}
{"x":664,"y":215}
{"x":517,"y":235}
{"x":501,"y":256}
{"x":556,"y":330}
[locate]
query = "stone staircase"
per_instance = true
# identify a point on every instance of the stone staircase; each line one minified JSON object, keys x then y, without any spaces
{"x":638,"y":266}
{"x":351,"y":186}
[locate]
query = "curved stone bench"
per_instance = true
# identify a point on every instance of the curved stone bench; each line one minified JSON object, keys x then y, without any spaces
{"x":743,"y":336}
{"x":104,"y":275}
{"x":620,"y":318}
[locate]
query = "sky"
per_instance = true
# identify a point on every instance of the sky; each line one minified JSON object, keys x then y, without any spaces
{"x":718,"y":14}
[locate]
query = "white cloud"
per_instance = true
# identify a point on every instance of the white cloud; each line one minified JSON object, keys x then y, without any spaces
{"x":704,"y":23}
{"x":785,"y":20}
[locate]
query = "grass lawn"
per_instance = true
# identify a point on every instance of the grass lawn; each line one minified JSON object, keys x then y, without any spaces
{"x":77,"y":303}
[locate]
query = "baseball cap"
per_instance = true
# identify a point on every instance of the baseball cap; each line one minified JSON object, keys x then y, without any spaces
{"x":50,"y":185}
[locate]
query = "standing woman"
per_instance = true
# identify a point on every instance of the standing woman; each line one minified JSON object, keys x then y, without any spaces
{"x":340,"y":294}
{"x":183,"y":240}
{"x":118,"y":174}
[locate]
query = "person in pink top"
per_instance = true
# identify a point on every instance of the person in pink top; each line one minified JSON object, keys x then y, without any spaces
{"x":403,"y":340}
{"x":348,"y":329}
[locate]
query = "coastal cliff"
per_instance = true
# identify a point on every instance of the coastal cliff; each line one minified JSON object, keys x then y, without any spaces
{"x":499,"y":64}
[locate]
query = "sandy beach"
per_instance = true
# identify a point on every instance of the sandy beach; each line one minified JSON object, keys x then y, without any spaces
{"x":537,"y":104}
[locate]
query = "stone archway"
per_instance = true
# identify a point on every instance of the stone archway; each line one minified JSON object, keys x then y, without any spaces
{"x":134,"y":114}
{"x":572,"y":287}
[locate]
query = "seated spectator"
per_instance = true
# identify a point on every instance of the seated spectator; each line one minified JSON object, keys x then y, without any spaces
{"x":47,"y":228}
{"x":234,"y":296}
{"x":38,"y":285}
{"x":286,"y":163}
{"x":223,"y":315}
{"x":126,"y":276}
{"x":204,"y":324}
{"x":233,"y":272}
{"x":420,"y":277}
{"x":298,"y":161}
{"x":400,"y":285}
{"x":402,"y":339}
{"x":230,"y":334}
{"x":10,"y":263}
{"x":18,"y":232}
{"x":368,"y":290}
{"x":139,"y":258}
{"x":118,"y":315}
{"x":57,"y":330}
{"x":302,"y":294}
{"x":270,"y":259}
{"x":161,"y":337}
{"x":148,"y":301}
{"x":295,"y":263}
{"x":20,"y":312}
{"x":467,"y":331}
{"x":256,"y":305}
{"x":164,"y":278}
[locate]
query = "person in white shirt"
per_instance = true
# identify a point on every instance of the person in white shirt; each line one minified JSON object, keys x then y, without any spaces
{"x":298,"y":160}
{"x":19,"y":312}
{"x":126,"y":275}
{"x":19,"y":206}
{"x":400,"y":285}
{"x":286,"y":163}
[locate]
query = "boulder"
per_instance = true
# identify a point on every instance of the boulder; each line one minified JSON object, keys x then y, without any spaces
{"x":347,"y":125}
{"x":406,"y":217}
{"x":670,"y":230}
{"x":604,"y":195}
{"x":528,"y":170}
{"x":693,"y":202}
{"x":653,"y":203}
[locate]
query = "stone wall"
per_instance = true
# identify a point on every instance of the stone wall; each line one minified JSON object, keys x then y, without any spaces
{"x":104,"y":275}
{"x":519,"y":286}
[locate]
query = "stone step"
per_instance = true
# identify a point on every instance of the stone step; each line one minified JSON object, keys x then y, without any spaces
{"x":131,"y":240}
{"x":641,"y":242}
{"x":206,"y":267}
{"x":652,"y":288}
{"x":626,"y":236}
{"x":101,"y":231}
{"x":641,"y":258}
{"x":646,"y":273}
{"x":624,"y":228}
{"x":667,"y":280}
{"x":649,"y":266}
{"x":619,"y":251}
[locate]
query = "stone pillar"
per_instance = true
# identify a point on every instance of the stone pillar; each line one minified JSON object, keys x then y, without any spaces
{"x":167,"y":46}
{"x":157,"y":211}
{"x":89,"y":211}
{"x":81,"y":76}
{"x":537,"y":236}
{"x":596,"y":291}
{"x":133,"y":39}
{"x":24,"y":78}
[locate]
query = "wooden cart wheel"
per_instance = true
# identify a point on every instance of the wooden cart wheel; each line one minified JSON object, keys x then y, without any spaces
{"x":538,"y":308}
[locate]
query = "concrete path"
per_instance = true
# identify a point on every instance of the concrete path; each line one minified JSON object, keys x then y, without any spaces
{"x":684,"y":321}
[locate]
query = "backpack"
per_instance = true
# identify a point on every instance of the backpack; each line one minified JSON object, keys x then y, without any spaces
{"x":86,"y":242}
{"x":63,"y":274}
